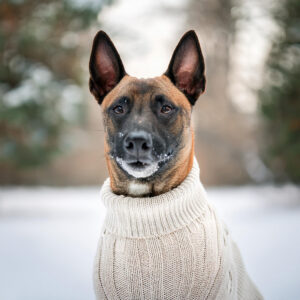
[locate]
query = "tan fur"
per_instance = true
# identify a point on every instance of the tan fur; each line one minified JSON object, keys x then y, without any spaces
{"x":181,"y":165}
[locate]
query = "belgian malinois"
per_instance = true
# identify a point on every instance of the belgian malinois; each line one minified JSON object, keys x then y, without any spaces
{"x":161,"y":239}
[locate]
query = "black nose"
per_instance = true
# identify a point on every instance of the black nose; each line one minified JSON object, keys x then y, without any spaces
{"x":138,"y":144}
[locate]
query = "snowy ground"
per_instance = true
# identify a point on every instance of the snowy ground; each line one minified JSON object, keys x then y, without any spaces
{"x":49,"y":235}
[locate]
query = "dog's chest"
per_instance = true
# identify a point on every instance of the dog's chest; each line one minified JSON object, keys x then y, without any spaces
{"x":173,"y":266}
{"x":138,"y":189}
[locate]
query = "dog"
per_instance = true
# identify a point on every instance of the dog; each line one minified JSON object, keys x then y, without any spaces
{"x":161,"y":238}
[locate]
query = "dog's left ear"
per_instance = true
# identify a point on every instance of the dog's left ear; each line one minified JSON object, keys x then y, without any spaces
{"x":186,"y":68}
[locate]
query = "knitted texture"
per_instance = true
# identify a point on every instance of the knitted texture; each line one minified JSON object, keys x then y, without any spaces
{"x":172,"y":246}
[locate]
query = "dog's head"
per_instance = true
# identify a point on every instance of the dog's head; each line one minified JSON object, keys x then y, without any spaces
{"x":148,"y":139}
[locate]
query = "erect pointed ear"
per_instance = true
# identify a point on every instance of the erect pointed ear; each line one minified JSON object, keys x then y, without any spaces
{"x":186,"y":68}
{"x":106,"y":67}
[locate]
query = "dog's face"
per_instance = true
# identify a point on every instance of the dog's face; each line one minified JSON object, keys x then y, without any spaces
{"x":147,"y":121}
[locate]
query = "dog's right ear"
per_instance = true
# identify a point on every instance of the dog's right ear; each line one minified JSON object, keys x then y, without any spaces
{"x":106,"y":67}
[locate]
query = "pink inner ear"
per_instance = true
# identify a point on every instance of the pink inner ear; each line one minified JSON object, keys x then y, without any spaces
{"x":185,"y":82}
{"x":185,"y":66}
{"x":106,"y":69}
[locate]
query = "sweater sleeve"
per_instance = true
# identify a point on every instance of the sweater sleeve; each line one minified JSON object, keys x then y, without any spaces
{"x":246,"y":289}
{"x":232,"y":280}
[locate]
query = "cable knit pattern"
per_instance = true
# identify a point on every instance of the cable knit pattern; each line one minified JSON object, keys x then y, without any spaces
{"x":172,"y":246}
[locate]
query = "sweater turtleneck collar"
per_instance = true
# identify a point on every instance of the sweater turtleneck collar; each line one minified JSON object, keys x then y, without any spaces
{"x":153,"y":216}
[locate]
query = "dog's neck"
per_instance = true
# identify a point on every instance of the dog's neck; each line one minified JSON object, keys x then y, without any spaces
{"x":121,"y":184}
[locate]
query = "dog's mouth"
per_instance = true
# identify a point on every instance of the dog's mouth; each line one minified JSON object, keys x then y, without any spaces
{"x":138,"y":169}
{"x":139,"y":165}
{"x":143,"y":169}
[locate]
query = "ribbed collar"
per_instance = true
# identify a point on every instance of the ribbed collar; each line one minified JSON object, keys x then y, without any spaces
{"x":154,"y":216}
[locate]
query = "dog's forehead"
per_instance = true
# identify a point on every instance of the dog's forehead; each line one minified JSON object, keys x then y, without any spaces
{"x":144,"y":89}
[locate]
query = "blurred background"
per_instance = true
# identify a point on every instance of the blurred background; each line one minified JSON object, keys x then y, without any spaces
{"x":52,"y":164}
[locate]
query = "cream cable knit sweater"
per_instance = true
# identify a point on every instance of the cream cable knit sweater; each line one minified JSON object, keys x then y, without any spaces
{"x":171,"y":246}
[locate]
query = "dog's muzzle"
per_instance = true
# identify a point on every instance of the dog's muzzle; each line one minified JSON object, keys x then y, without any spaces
{"x":137,"y":155}
{"x":142,"y":156}
{"x":138,"y":147}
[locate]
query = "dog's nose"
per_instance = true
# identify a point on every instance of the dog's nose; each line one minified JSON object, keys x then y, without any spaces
{"x":138,"y":144}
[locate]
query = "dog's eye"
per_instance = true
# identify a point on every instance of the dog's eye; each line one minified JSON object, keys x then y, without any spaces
{"x":165,"y":109}
{"x":118,"y":109}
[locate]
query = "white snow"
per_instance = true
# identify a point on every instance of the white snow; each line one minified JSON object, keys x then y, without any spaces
{"x":49,"y":237}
